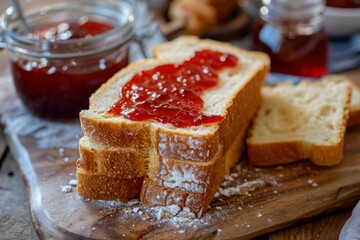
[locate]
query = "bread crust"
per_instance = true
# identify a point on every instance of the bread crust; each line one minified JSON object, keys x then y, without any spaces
{"x":103,"y":187}
{"x":153,"y":194}
{"x":123,"y":163}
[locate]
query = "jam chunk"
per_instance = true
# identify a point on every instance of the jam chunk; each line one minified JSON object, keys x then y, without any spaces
{"x":171,"y":93}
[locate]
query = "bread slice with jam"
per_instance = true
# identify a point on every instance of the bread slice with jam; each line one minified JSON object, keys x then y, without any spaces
{"x":165,"y":149}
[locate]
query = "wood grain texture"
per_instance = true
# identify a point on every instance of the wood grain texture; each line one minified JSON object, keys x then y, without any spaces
{"x":294,"y":194}
{"x":15,"y":220}
{"x":2,"y":145}
{"x":326,"y":228}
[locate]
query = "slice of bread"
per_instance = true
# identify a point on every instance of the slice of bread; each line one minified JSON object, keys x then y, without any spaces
{"x":103,"y":159}
{"x":196,"y":151}
{"x":304,"y":121}
{"x":193,"y":143}
{"x":103,"y":187}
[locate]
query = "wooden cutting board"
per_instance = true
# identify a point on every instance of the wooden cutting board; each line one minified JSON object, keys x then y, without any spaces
{"x":290,"y":194}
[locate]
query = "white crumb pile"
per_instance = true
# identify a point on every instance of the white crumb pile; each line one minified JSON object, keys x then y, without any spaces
{"x":69,"y":187}
{"x":233,"y":185}
{"x":66,"y":189}
{"x":237,"y":187}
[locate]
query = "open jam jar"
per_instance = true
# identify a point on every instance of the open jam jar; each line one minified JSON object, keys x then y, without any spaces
{"x":291,"y":33}
{"x":70,"y":49}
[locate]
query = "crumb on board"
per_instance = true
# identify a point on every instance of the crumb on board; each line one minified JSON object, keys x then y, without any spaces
{"x":73,"y":182}
{"x":66,"y":188}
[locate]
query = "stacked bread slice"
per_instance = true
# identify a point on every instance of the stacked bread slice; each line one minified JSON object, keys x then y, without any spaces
{"x":303,"y":121}
{"x":169,"y":166}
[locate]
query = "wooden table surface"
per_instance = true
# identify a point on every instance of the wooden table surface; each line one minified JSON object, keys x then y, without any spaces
{"x":15,"y":219}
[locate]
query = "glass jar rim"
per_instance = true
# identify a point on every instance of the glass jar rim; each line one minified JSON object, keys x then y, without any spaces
{"x":124,"y":30}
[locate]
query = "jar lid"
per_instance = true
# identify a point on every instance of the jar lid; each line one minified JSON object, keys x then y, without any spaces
{"x":294,"y":9}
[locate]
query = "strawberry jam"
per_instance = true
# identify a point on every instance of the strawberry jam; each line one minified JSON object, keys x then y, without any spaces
{"x":72,"y":30}
{"x":343,"y":3}
{"x":171,"y":93}
{"x":58,"y":88}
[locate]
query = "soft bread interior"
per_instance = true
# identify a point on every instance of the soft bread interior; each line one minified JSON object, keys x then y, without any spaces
{"x":355,"y":90}
{"x":311,"y":112}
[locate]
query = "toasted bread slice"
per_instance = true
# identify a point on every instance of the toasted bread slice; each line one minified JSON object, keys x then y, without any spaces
{"x":304,"y":121}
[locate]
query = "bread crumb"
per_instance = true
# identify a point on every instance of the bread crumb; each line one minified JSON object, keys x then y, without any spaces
{"x":160,"y":214}
{"x":93,"y":228}
{"x":269,"y":220}
{"x":73,"y":182}
{"x":181,"y":231}
{"x":146,"y":216}
{"x":66,"y":189}
{"x":259,"y":215}
{"x":66,"y":159}
{"x":136,"y":209}
{"x":218,"y":208}
{"x":312,"y":183}
{"x":61,"y":151}
{"x":134,"y":201}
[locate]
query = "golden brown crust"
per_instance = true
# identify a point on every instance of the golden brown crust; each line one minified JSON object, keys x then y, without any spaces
{"x":116,"y":134}
{"x":123,"y":163}
{"x":269,"y":154}
{"x":102,"y":187}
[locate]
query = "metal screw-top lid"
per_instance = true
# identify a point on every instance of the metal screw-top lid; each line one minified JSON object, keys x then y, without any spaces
{"x":306,"y":15}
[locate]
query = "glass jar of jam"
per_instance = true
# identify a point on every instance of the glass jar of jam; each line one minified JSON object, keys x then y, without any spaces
{"x":69,"y":50}
{"x":291,"y":33}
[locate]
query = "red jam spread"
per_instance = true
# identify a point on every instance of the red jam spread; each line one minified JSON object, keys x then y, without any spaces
{"x":171,"y":93}
{"x":343,"y":3}
{"x":59,"y":88}
{"x":83,"y":28}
